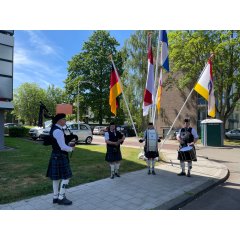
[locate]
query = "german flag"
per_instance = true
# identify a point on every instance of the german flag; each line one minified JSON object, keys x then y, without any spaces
{"x":115,"y":91}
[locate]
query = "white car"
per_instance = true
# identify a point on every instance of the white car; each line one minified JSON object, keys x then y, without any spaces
{"x":99,"y":130}
{"x":37,"y":131}
{"x":84,"y":134}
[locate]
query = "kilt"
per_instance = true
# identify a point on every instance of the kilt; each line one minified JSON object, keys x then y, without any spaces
{"x":187,"y":156}
{"x":59,"y":167}
{"x":150,"y":154}
{"x":113,"y":154}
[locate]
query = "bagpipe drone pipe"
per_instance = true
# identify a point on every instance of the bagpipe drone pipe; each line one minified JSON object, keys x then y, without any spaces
{"x":44,"y":112}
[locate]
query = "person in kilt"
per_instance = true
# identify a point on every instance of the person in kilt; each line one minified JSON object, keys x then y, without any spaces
{"x":151,"y":153}
{"x":59,"y":167}
{"x":187,"y":136}
{"x":113,"y":140}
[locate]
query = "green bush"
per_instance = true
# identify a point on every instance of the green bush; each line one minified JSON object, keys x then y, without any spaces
{"x":18,"y":132}
{"x":6,"y":130}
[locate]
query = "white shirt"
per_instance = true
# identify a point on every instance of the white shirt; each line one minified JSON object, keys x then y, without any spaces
{"x":59,"y":136}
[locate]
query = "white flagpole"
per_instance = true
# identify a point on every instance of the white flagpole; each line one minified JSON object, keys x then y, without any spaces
{"x":124,"y":96}
{"x":181,"y":109}
{"x":149,"y":45}
{"x":155,"y":81}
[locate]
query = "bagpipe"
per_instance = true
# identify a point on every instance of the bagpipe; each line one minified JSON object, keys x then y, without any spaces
{"x":44,"y":112}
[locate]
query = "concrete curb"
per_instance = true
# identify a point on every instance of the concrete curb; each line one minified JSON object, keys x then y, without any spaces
{"x":187,"y":197}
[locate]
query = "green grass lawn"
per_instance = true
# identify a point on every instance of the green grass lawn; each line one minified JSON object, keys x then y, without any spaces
{"x":23,"y":170}
{"x":233,"y":143}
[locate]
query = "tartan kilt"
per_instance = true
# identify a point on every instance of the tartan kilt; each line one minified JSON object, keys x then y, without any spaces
{"x":59,"y":167}
{"x":113,"y":154}
{"x":151,"y":154}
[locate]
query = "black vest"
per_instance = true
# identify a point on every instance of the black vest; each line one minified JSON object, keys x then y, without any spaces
{"x":55,"y":146}
{"x":114,"y":138}
{"x":186,"y":135}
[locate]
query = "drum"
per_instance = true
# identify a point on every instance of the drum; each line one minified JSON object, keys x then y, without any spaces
{"x":152,"y":141}
{"x":187,"y":154}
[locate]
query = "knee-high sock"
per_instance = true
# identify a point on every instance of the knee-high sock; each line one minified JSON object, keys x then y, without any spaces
{"x":153,"y":163}
{"x":148,"y":163}
{"x":63,"y":187}
{"x":112,"y":168}
{"x":55,"y":188}
{"x":116,"y":167}
{"x":182,"y":163}
{"x":189,"y":166}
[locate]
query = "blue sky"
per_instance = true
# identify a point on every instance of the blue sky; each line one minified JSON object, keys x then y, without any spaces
{"x":42,"y":56}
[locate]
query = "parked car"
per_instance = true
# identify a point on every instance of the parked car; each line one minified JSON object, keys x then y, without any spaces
{"x":99,"y":130}
{"x":83,"y":134}
{"x":7,"y":125}
{"x":233,"y":134}
{"x":37,"y":131}
{"x":128,"y":131}
{"x":175,"y":133}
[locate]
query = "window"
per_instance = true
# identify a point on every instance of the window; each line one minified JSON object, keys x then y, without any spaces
{"x":73,"y":127}
{"x":83,"y":127}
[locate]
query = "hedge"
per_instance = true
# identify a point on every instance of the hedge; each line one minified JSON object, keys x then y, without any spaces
{"x":18,"y":132}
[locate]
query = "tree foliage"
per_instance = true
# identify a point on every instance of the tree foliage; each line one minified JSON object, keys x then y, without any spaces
{"x":189,"y":52}
{"x":135,"y":72}
{"x":27,"y":97}
{"x":91,"y":69}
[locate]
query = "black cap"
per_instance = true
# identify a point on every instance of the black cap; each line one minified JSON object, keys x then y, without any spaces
{"x":112,"y":123}
{"x":150,"y":123}
{"x":58,"y":117}
{"x":187,"y":120}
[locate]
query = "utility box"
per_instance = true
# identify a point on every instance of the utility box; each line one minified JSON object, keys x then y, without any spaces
{"x":212,"y":132}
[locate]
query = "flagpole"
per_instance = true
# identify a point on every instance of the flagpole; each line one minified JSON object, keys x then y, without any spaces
{"x":123,"y":95}
{"x":155,"y":81}
{"x":156,"y":96}
{"x":149,"y":45}
{"x":182,"y":108}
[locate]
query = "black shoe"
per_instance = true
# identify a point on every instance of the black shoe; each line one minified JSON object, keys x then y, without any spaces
{"x":64,"y":201}
{"x":117,"y":175}
{"x":188,"y":174}
{"x":153,"y":172}
{"x":55,"y":200}
{"x":182,"y":174}
{"x":112,"y":177}
{"x":149,"y":172}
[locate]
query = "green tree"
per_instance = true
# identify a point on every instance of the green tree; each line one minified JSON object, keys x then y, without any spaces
{"x":26,"y":102}
{"x":189,"y":52}
{"x":135,"y":73}
{"x":54,"y":96}
{"x":27,"y":97}
{"x":91,"y":70}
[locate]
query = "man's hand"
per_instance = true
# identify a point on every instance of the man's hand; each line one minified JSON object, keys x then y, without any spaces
{"x":72,"y":144}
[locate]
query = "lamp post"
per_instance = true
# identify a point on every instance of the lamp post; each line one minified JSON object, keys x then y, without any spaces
{"x":78,"y":106}
{"x":79,"y":82}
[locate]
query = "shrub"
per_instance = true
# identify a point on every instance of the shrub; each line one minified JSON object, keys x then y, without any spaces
{"x":18,"y":132}
{"x":6,"y":130}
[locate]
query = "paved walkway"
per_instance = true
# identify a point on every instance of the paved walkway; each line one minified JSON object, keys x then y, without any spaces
{"x":137,"y":190}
